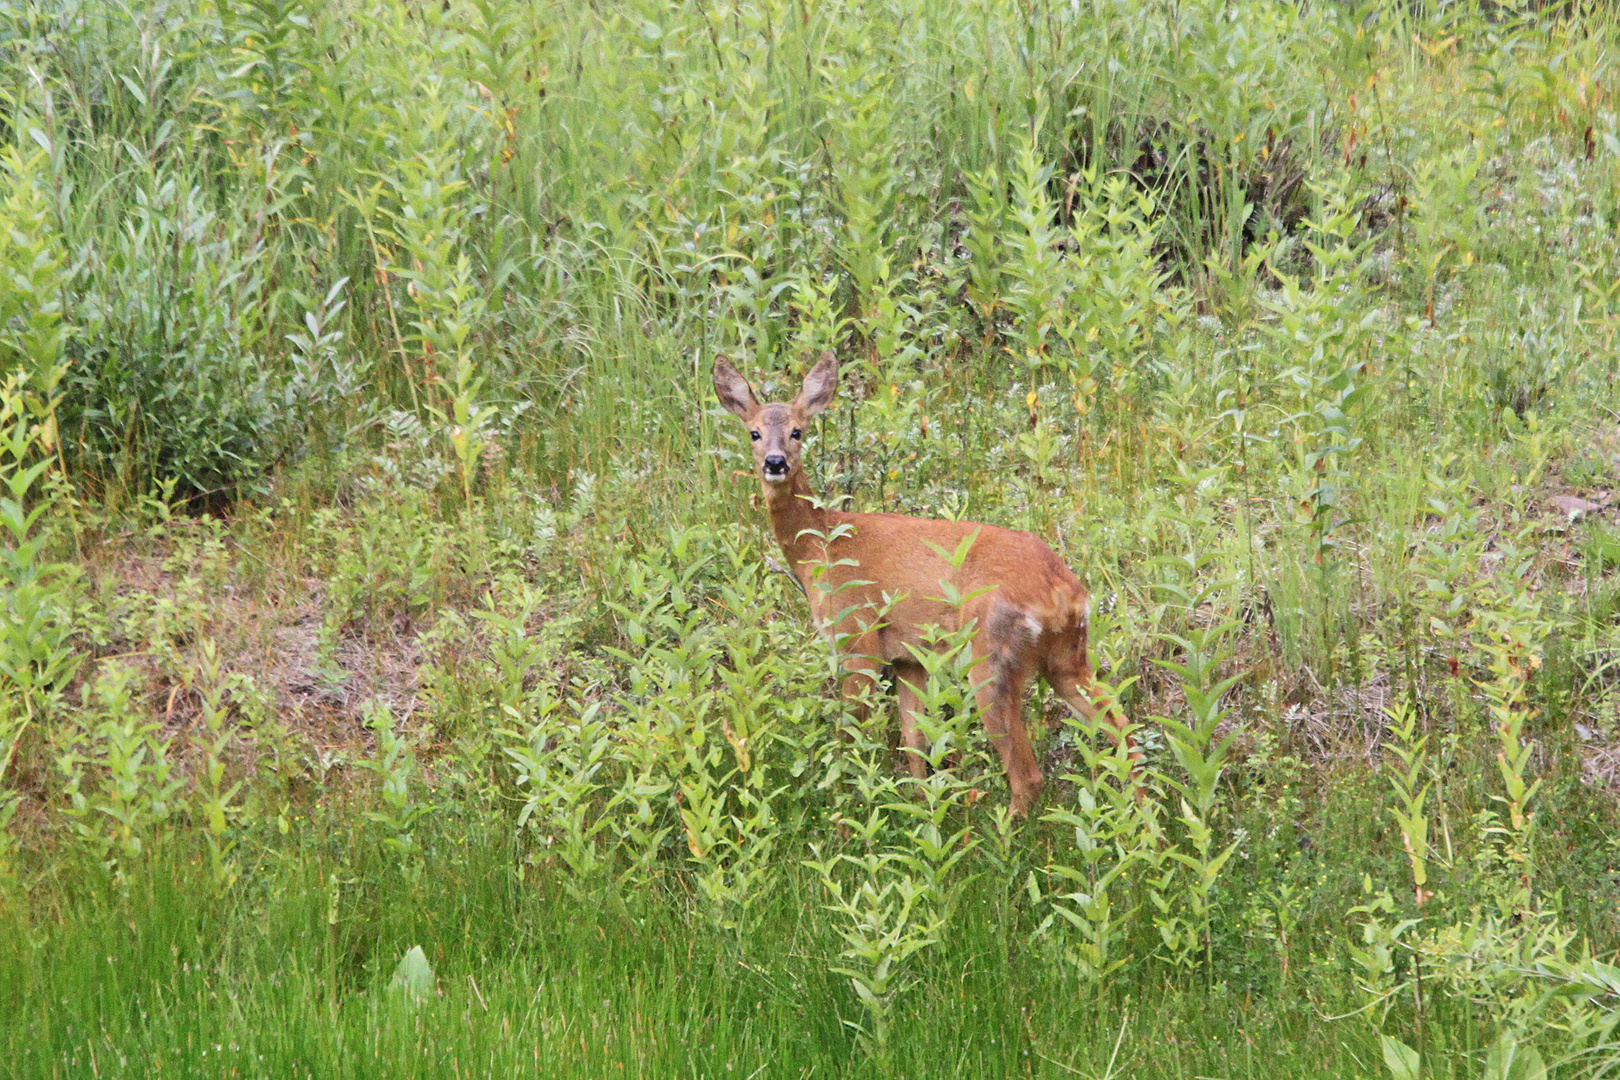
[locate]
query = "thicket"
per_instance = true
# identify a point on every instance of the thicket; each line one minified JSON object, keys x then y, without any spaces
{"x":378,"y":570}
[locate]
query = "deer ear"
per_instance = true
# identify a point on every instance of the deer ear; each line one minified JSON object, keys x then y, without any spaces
{"x":733,"y":390}
{"x":819,"y":385}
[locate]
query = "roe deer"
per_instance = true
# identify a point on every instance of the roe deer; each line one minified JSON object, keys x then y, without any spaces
{"x":875,"y":580}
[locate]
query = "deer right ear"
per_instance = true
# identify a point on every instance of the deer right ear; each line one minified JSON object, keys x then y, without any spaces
{"x":819,"y":385}
{"x":733,"y":390}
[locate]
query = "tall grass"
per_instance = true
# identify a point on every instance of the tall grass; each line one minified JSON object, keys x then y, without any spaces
{"x":379,"y":575}
{"x":155,"y":977}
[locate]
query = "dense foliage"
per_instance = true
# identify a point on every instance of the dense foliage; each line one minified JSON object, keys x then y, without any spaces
{"x":377,"y":570}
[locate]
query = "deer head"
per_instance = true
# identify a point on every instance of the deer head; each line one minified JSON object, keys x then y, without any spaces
{"x":777,"y":430}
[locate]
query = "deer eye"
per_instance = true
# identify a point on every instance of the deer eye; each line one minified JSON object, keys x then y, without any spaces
{"x":797,"y":433}
{"x":754,"y":435}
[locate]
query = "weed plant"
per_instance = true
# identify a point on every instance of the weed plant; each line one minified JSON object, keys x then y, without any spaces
{"x":395,"y":674}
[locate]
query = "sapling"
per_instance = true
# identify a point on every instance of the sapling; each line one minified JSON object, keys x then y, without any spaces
{"x":937,"y":837}
{"x":1512,"y":643}
{"x":1322,"y":330}
{"x":1410,"y":749}
{"x":1182,"y":888}
{"x":905,"y":883}
{"x":1444,"y":216}
{"x":1120,"y":321}
{"x":1111,"y":829}
{"x":118,"y":778}
{"x":1032,"y":263}
{"x":557,"y":756}
{"x":639,"y":811}
{"x":1411,"y":792}
{"x":427,"y":217}
{"x":862,"y":124}
{"x":37,"y":658}
{"x":214,"y":799}
{"x":1384,"y":937}
{"x":886,"y":920}
{"x":727,"y":804}
{"x":11,"y":727}
{"x":395,"y":766}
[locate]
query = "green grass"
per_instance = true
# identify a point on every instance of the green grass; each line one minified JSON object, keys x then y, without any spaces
{"x":154,"y":977}
{"x":374,"y":545}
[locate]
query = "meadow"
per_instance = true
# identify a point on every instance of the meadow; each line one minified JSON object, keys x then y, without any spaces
{"x":396,"y":678}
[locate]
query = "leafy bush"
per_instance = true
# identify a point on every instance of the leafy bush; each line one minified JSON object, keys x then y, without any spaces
{"x":166,"y":382}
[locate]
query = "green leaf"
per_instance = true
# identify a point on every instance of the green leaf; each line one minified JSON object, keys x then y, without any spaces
{"x":1508,"y":1060}
{"x":1402,"y":1060}
{"x":413,"y":978}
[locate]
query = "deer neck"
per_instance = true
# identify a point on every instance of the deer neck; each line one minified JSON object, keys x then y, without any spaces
{"x":800,"y":525}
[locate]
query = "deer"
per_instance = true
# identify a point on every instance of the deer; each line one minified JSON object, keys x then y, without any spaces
{"x":878,"y":582}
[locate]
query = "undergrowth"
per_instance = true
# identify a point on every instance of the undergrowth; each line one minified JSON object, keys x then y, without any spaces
{"x":378,"y":572}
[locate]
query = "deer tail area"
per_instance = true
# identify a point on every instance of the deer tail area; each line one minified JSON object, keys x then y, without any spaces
{"x":1064,"y":623}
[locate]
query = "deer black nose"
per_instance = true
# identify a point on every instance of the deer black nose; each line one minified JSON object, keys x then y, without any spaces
{"x":775,"y":465}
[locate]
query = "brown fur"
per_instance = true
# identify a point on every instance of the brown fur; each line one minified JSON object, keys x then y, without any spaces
{"x":875,"y":580}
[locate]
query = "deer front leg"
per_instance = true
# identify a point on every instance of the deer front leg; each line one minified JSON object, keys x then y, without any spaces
{"x":909,"y":680}
{"x":859,"y":684}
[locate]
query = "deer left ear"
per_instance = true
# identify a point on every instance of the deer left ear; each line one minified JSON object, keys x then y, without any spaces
{"x":733,"y":390}
{"x":819,"y":385}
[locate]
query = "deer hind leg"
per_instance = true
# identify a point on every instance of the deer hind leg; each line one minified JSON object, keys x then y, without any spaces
{"x":1007,"y":646}
{"x":908,"y":682}
{"x":1001,"y":705}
